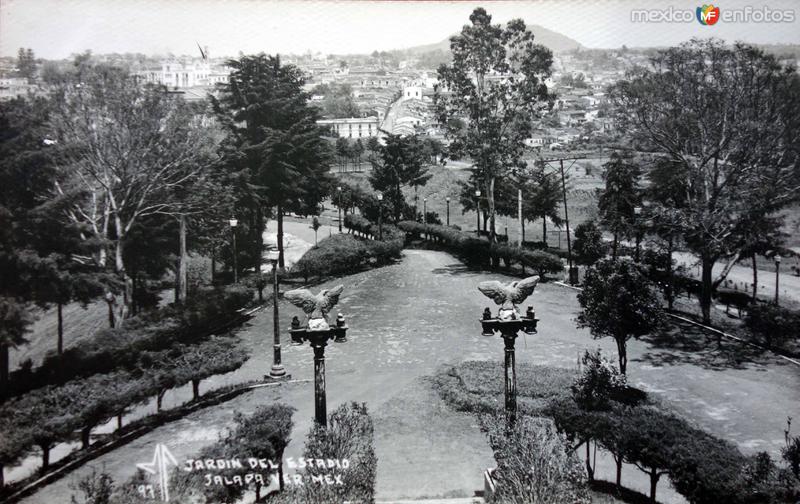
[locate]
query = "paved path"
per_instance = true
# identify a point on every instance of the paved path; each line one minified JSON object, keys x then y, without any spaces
{"x":409,"y":319}
{"x":743,"y":276}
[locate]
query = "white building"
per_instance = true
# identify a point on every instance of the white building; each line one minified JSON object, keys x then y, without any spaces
{"x":352,"y":127}
{"x":177,"y":75}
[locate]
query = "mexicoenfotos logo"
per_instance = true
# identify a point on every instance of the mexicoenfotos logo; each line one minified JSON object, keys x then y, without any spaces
{"x":707,"y":14}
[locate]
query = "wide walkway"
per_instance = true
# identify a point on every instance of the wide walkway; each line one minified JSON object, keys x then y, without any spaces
{"x":409,"y":319}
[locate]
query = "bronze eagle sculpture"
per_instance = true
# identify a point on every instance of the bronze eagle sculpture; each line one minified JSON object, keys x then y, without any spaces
{"x":508,"y":296}
{"x":315,"y":306}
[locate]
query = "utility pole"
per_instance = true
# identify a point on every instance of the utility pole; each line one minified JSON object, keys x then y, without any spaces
{"x":519,"y":214}
{"x":572,"y":280}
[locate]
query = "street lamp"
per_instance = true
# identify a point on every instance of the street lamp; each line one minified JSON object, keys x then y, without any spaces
{"x":233,"y":223}
{"x":380,"y":215}
{"x":508,"y":322}
{"x":448,"y":210}
{"x":777,"y":276}
{"x":277,"y":372}
{"x":637,"y":211}
{"x":425,"y":211}
{"x":477,"y":211}
{"x":318,"y":332}
{"x":339,"y":205}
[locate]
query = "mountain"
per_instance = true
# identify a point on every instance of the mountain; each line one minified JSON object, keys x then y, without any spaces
{"x":555,"y":41}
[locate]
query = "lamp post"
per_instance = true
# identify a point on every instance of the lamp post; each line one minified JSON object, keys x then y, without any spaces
{"x":110,"y":299}
{"x":425,"y":211}
{"x":448,"y":210}
{"x":477,"y":211}
{"x":777,"y":276}
{"x":277,"y":372}
{"x":318,"y":332}
{"x":508,"y":322}
{"x":380,"y":216}
{"x":233,"y":223}
{"x":339,"y":205}
{"x":637,"y":211}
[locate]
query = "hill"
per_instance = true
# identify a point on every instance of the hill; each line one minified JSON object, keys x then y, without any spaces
{"x":555,"y":41}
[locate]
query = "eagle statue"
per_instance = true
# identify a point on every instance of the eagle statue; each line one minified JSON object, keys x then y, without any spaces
{"x":315,"y":306}
{"x":508,"y":296}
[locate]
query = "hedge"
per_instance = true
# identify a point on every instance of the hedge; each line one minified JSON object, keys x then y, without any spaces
{"x":479,"y":252}
{"x":107,"y":349}
{"x":701,"y":467}
{"x":775,"y":325}
{"x":349,"y":437}
{"x":343,"y":254}
{"x":51,"y":414}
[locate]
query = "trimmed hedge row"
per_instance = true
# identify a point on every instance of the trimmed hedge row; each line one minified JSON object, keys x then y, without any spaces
{"x":108,"y":349}
{"x":51,"y":414}
{"x":346,"y":253}
{"x":479,"y":252}
{"x":701,"y":467}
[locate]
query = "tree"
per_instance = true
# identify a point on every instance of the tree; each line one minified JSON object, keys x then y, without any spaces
{"x":265,"y":434}
{"x":342,"y":148}
{"x":618,"y":301}
{"x":401,"y":164}
{"x":588,"y":246}
{"x":128,"y":149}
{"x":42,"y":257}
{"x":729,"y":118}
{"x":649,"y":442}
{"x":26,"y":63}
{"x":620,"y":196}
{"x":495,"y":85}
{"x":272,"y":133}
{"x":338,"y":101}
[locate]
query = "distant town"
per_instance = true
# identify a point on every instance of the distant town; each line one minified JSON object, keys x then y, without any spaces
{"x":392,"y":92}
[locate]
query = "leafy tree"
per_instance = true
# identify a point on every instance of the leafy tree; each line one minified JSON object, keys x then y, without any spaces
{"x":338,"y":102}
{"x":342,"y":148}
{"x":618,"y":301}
{"x":619,"y":197}
{"x":401,"y":164}
{"x":588,"y":246}
{"x":729,"y":118}
{"x":650,"y":442}
{"x":42,"y":257}
{"x":163,"y":150}
{"x":495,"y":86}
{"x":265,"y":434}
{"x":273,"y":135}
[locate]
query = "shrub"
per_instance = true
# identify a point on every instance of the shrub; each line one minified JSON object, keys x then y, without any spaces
{"x":773,"y":324}
{"x":599,"y":382}
{"x":589,"y":246}
{"x":534,"y":464}
{"x":348,"y":436}
{"x":344,"y":253}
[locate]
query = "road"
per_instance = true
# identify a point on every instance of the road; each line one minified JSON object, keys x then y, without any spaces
{"x":409,"y":319}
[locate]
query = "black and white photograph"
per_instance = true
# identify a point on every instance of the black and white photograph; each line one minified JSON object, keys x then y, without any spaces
{"x":399,"y":252}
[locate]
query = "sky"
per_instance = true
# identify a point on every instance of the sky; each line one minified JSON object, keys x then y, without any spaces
{"x":55,"y":29}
